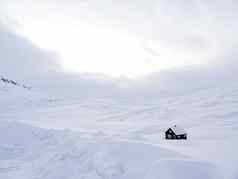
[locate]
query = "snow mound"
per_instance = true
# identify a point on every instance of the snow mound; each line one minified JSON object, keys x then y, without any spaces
{"x":69,"y":158}
{"x":181,"y":169}
{"x":29,"y":152}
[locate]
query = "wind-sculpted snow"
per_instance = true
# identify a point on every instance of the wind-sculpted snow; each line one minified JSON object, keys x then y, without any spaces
{"x":181,"y":169}
{"x":48,"y":154}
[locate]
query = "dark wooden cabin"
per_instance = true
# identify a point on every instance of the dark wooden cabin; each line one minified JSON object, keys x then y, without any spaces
{"x":175,"y":133}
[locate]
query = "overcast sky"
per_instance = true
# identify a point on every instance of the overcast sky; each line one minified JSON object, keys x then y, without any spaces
{"x":139,"y":39}
{"x":126,"y":38}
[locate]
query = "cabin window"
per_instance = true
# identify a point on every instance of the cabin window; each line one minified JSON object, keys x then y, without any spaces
{"x":169,"y":136}
{"x":179,"y":137}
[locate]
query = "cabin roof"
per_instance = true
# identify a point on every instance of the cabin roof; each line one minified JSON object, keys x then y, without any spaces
{"x":178,"y":130}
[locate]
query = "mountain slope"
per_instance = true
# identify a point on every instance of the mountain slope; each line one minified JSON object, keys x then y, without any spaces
{"x":111,"y":137}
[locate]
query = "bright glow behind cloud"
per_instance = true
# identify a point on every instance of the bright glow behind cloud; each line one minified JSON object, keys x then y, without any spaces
{"x":97,"y":50}
{"x":100,"y":50}
{"x":130,"y":38}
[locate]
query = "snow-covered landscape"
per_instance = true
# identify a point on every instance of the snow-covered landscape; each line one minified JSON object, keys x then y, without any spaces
{"x":51,"y":138}
{"x":134,"y":89}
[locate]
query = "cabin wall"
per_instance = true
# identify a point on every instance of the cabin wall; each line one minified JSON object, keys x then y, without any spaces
{"x":172,"y":136}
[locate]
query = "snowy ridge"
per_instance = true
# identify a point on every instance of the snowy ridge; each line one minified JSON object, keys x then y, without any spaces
{"x":6,"y":83}
{"x":62,"y":154}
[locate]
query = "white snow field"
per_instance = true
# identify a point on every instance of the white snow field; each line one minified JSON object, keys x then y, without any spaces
{"x":53,"y":137}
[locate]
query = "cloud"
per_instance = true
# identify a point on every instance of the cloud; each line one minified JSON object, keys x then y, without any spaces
{"x":221,"y":73}
{"x":182,"y":32}
{"x":191,"y":31}
{"x":21,"y":58}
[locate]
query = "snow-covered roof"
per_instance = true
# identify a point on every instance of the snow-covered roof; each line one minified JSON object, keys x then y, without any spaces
{"x":178,"y":130}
